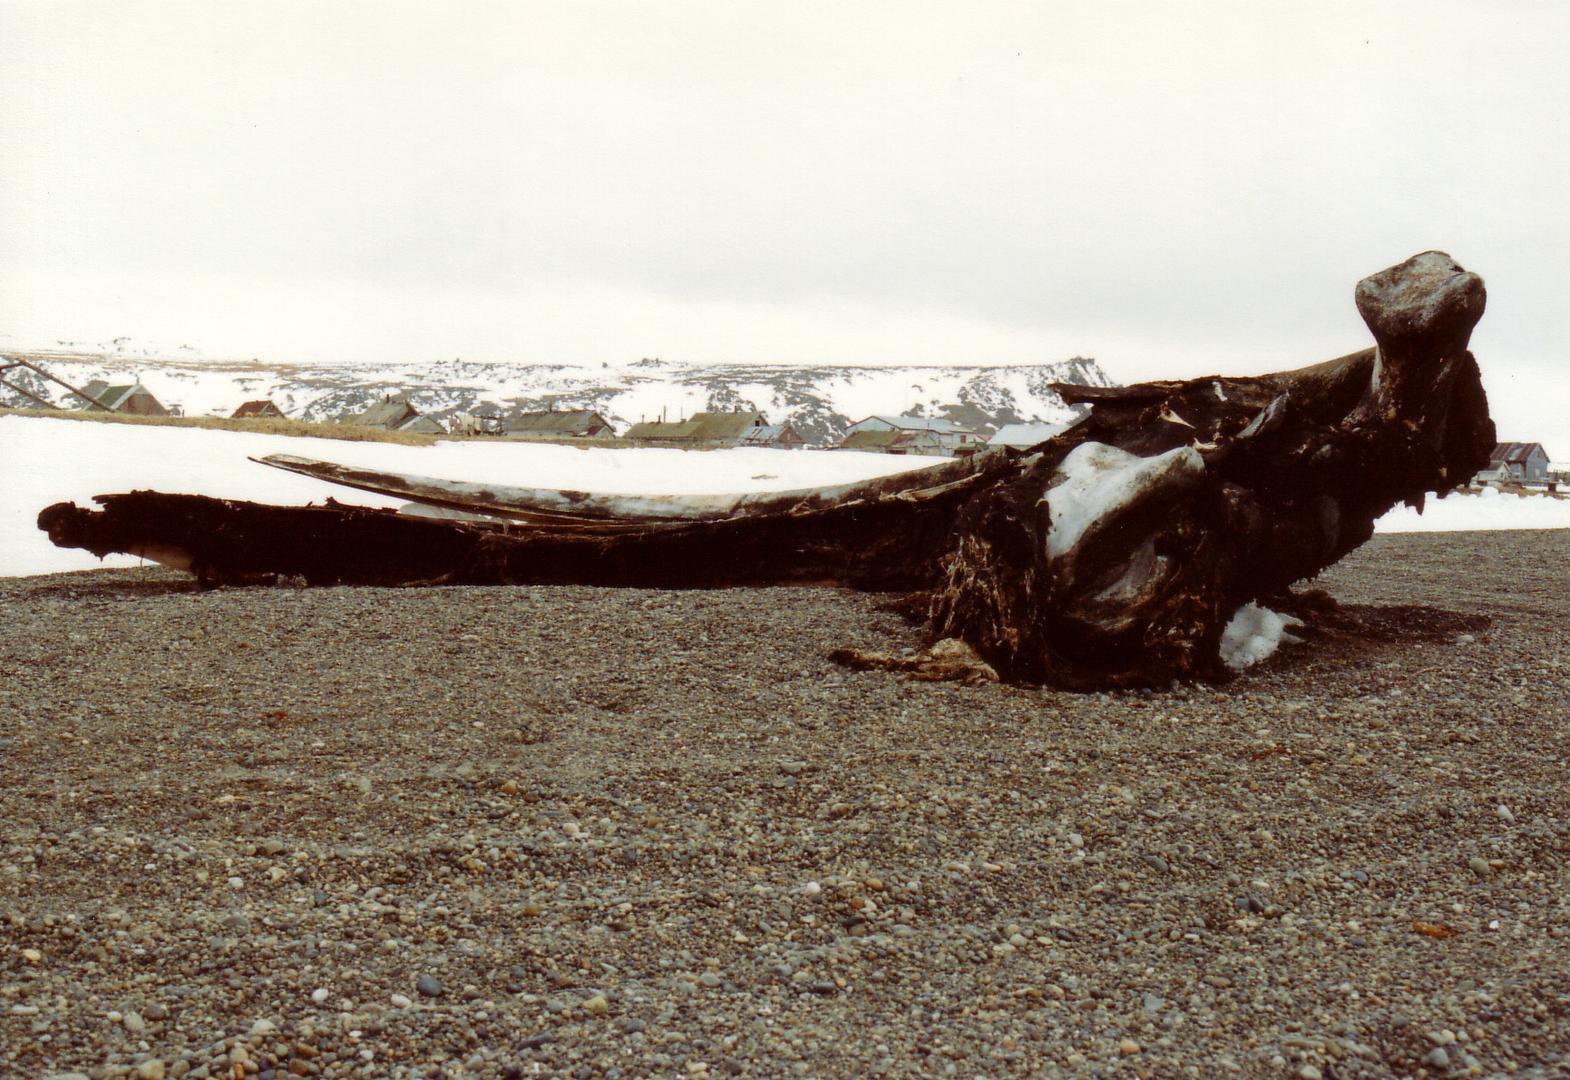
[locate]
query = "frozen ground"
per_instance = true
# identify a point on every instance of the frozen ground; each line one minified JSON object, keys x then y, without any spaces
{"x":45,"y":461}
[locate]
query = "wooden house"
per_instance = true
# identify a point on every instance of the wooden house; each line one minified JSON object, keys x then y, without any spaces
{"x":133,"y":399}
{"x":390,"y":413}
{"x":774,"y":436}
{"x":422,"y":424}
{"x":953,"y":439}
{"x":262,"y":409}
{"x":1516,"y":463}
{"x":894,"y":441}
{"x":561,"y":424}
{"x":701,"y":431}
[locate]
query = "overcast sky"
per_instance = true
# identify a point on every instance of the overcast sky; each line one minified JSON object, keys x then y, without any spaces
{"x":1173,"y":188}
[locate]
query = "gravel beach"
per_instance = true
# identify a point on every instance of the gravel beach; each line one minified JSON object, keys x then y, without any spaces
{"x":566,"y":831}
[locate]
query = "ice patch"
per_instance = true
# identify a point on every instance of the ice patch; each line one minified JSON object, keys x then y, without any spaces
{"x":1253,"y":635}
{"x":1096,"y":480}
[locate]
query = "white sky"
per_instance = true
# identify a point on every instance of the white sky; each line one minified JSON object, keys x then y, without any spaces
{"x":1173,"y":188}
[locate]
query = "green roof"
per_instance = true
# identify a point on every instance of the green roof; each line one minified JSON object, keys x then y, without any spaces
{"x":555,"y":422}
{"x":711,"y":426}
{"x":877,"y":439}
{"x":659,"y":429}
{"x":724,"y":425}
{"x":388,"y":414}
{"x":111,"y":396}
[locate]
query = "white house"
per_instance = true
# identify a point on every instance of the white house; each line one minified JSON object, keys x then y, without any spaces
{"x":952,"y":438}
{"x":1516,"y":462}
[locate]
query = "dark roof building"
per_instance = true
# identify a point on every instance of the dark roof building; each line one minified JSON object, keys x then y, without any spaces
{"x":423,"y":424}
{"x":704,"y":430}
{"x":133,"y":398}
{"x":257,"y":409}
{"x":774,"y":436}
{"x":952,"y":438}
{"x":659,"y":429}
{"x":1525,"y":462}
{"x":567,"y":423}
{"x":390,"y":413}
{"x":887,"y":441}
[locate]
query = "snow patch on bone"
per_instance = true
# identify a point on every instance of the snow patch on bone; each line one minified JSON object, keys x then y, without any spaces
{"x":1096,"y":480}
{"x":1266,"y":418}
{"x":1253,"y":635}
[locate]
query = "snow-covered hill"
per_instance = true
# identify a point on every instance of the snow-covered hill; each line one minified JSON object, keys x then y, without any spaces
{"x":820,"y":402}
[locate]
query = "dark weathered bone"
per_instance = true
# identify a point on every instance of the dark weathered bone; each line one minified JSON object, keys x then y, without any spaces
{"x":1111,"y":555}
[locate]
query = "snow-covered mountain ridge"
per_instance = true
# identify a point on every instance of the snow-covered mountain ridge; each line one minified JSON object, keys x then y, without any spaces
{"x":819,"y":401}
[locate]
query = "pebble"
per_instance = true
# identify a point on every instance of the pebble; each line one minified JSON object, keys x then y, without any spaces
{"x":1480,"y":866}
{"x":151,"y":1069}
{"x":1310,"y":1072}
{"x":263,"y":1027}
{"x":1437,"y":1058}
{"x":134,"y":1023}
{"x":712,"y":889}
{"x":429,"y":986}
{"x":1505,"y":814}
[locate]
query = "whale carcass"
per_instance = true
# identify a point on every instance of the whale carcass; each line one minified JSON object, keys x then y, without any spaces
{"x":1113,"y":554}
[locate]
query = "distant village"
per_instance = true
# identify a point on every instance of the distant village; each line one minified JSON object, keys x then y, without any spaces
{"x":1523,"y":466}
{"x":906,"y":435}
